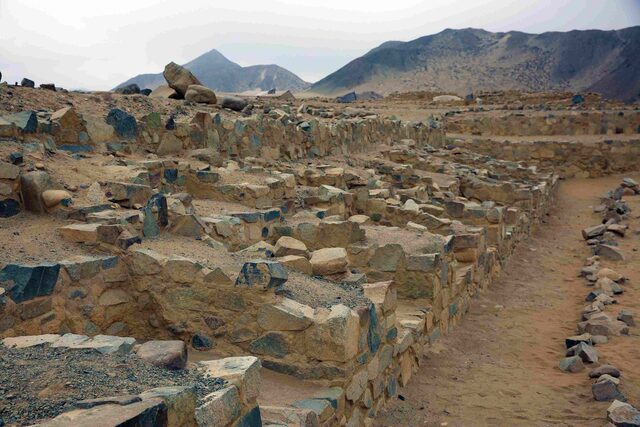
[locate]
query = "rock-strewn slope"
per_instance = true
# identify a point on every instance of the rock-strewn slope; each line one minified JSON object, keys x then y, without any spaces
{"x":471,"y":59}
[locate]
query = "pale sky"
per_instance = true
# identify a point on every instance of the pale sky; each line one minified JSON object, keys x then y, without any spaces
{"x":98,"y":44}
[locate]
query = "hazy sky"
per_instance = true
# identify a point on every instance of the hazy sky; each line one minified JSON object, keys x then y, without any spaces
{"x":98,"y":44}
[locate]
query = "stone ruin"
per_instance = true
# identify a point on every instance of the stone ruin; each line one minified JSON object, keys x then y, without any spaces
{"x":330,"y":248}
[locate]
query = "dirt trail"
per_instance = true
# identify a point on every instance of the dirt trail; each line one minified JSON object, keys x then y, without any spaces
{"x":499,"y":365}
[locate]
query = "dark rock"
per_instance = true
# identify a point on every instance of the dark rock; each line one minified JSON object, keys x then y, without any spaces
{"x":593,"y":295}
{"x":9,"y":207}
{"x":201,"y":342}
{"x":577,"y":339}
{"x":347,"y":98}
{"x":605,"y":390}
{"x":28,"y":282}
{"x":128,"y":89}
{"x":145,"y":92}
{"x":126,"y":239}
{"x":171,"y":124}
{"x":16,"y":158}
{"x":233,"y":103}
{"x":604,"y":370}
{"x":27,"y":83}
{"x":124,"y":123}
{"x":265,"y":274}
{"x":48,"y":86}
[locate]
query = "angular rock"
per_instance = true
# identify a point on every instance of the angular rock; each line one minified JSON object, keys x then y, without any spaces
{"x":571,"y":364}
{"x":328,"y":261}
{"x":290,"y":246}
{"x":220,"y":408}
{"x":151,"y":412}
{"x":297,"y":263}
{"x":80,"y":233}
{"x":626,"y":316}
{"x":108,"y":344}
{"x":587,"y":353}
{"x":595,"y":231}
{"x":124,"y":123}
{"x":623,"y":414}
{"x":263,"y":274}
{"x":166,"y":354}
{"x":334,"y":334}
{"x":25,"y":282}
{"x":30,"y":340}
{"x":610,"y":252}
{"x":577,"y":339}
{"x":286,"y":315}
{"x":605,"y":389}
{"x":243,"y":372}
{"x":27,"y":83}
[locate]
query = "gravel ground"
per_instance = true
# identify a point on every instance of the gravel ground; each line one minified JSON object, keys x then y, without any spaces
{"x":41,"y":382}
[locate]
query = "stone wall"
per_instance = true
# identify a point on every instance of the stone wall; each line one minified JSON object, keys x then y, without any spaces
{"x":573,"y":123}
{"x":581,"y":159}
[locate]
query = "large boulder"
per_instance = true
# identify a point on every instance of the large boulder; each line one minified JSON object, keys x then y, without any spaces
{"x":199,"y":93}
{"x":27,"y":83}
{"x":32,"y":185}
{"x":179,"y":78}
{"x":233,"y":103}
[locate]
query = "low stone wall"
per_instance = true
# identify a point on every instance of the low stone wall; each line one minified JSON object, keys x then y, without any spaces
{"x":568,"y":159}
{"x":574,"y":123}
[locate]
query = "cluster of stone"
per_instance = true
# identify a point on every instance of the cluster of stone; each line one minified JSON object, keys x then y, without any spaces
{"x":607,"y":285}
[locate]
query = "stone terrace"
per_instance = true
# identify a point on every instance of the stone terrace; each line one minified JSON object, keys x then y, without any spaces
{"x":328,"y":251}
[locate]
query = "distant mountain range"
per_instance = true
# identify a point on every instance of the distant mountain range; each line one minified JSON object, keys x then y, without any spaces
{"x":467,"y":60}
{"x":214,"y":70}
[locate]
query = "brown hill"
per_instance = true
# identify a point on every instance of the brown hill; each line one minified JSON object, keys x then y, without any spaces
{"x":467,"y":60}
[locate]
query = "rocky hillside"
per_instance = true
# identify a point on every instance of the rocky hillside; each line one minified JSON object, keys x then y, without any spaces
{"x":217,"y":72}
{"x":467,"y":60}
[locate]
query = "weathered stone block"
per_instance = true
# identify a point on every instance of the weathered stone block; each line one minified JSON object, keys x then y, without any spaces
{"x":24,"y":282}
{"x":264,"y":274}
{"x":286,"y":315}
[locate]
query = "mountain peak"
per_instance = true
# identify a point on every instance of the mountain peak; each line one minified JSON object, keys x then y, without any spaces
{"x":216,"y":71}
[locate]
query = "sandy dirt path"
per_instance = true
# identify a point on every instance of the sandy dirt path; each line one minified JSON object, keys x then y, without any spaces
{"x":498,"y":367}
